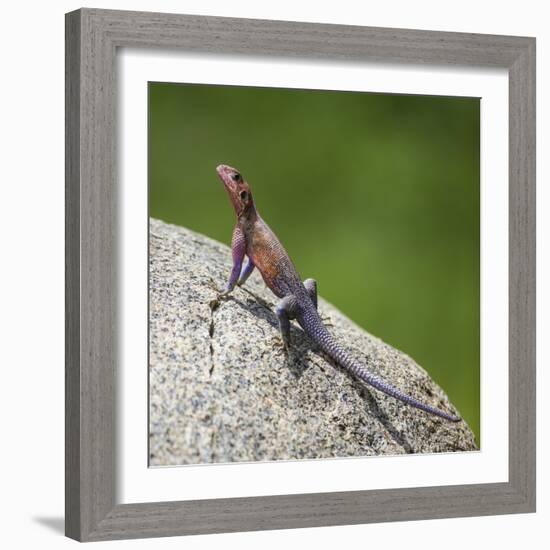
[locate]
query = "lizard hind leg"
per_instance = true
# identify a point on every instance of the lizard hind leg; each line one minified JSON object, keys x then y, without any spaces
{"x":286,"y":310}
{"x":311,"y":287}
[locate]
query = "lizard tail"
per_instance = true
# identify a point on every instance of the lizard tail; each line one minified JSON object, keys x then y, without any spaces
{"x":317,"y":331}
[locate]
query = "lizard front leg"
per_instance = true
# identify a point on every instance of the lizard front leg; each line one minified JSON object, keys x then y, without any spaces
{"x":249,"y":268}
{"x":286,"y":310}
{"x":238,"y":247}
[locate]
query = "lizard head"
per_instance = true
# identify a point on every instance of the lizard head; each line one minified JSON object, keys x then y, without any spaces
{"x":237,"y":189}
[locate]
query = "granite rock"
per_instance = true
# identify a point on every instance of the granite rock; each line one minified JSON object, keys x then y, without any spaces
{"x":223,"y":390}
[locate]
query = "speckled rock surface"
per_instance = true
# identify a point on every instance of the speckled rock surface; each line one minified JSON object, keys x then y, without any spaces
{"x":222,"y":390}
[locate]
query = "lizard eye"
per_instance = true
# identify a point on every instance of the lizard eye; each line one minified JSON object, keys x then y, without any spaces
{"x":236,"y":177}
{"x":244,"y":195}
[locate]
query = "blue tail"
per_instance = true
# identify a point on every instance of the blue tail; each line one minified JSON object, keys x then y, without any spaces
{"x":313,"y":326}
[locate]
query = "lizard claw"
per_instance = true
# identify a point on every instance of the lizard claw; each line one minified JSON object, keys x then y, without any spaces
{"x":220,"y":295}
{"x":223,"y":293}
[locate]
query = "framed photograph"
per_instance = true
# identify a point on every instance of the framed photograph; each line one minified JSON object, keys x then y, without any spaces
{"x":300,"y":275}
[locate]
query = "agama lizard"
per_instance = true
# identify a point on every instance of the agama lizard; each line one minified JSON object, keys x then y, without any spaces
{"x":298,"y":300}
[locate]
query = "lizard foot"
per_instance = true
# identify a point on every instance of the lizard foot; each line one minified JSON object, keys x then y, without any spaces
{"x":219,"y":293}
{"x":219,"y":297}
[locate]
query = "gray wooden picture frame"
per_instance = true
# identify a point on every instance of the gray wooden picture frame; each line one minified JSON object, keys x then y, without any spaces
{"x":92,"y":39}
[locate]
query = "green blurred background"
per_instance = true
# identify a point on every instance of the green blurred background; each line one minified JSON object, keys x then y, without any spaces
{"x":374,"y":195}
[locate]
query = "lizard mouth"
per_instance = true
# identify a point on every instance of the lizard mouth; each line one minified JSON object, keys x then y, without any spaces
{"x":224,"y":173}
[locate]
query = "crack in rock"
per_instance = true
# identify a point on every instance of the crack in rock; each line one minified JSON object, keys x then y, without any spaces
{"x":213,"y":306}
